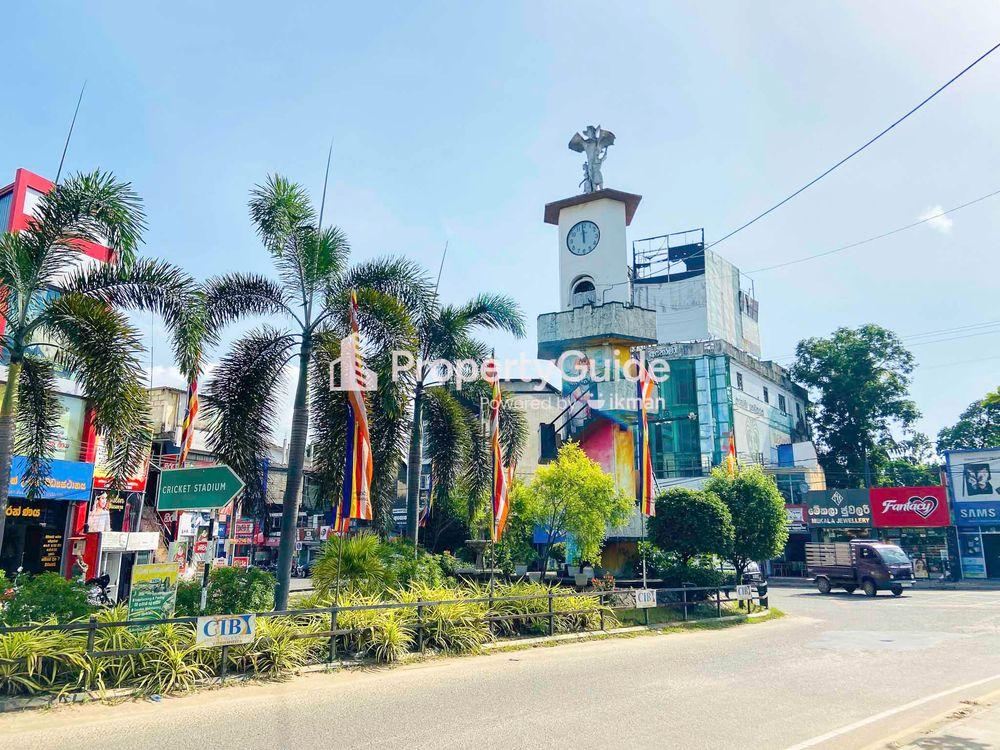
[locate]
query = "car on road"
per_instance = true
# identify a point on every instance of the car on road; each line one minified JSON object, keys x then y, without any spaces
{"x":867,"y":564}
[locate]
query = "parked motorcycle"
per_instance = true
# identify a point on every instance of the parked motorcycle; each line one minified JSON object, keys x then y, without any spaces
{"x":98,"y":593}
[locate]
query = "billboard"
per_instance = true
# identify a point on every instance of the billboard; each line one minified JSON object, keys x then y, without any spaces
{"x":67,"y":480}
{"x":838,"y":508}
{"x":908,"y":507}
{"x":102,"y":472}
{"x":974,"y":478}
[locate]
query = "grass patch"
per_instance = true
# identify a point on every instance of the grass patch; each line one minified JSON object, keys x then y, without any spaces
{"x":675,"y":615}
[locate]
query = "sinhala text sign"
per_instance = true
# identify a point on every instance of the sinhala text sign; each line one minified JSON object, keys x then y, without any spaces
{"x":225,"y":630}
{"x":154,"y":591}
{"x":838,"y":508}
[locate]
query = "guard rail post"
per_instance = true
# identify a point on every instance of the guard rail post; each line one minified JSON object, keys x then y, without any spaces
{"x":420,"y":628}
{"x":600,"y":609}
{"x":223,"y":664}
{"x":333,"y":633}
{"x":91,"y":635}
{"x":552,"y":622}
{"x":718,"y":602}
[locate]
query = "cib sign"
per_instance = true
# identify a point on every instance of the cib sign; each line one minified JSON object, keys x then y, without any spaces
{"x":645,"y":598}
{"x":225,"y":630}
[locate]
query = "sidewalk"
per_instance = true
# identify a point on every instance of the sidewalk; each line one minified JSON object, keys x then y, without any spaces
{"x":975,"y":726}
{"x":964,"y":585}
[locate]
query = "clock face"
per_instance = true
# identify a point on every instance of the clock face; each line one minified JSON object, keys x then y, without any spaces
{"x":583,"y":237}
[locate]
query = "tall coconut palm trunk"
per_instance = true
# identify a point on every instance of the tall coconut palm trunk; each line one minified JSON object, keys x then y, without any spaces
{"x":8,"y":420}
{"x":413,"y":462}
{"x":293,"y":486}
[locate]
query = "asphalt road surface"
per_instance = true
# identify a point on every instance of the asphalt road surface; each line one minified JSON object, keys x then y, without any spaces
{"x":838,"y":672}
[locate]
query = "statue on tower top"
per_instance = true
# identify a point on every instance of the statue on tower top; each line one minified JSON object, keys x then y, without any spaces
{"x":594,"y":143}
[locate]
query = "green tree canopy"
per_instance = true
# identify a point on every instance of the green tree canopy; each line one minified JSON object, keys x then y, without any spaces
{"x":573,"y":496}
{"x":977,"y":427}
{"x":758,"y":513}
{"x":690,"y":523}
{"x":860,"y":379}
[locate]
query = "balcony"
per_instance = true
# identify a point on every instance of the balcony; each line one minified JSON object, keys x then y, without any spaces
{"x":614,"y":322}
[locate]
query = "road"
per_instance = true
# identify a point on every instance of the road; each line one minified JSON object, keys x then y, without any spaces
{"x":834,"y":662}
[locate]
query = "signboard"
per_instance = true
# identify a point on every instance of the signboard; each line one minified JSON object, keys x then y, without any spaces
{"x":154,"y":591}
{"x":743,"y":593}
{"x":645,"y":598}
{"x":909,"y":507}
{"x":136,"y":482}
{"x":796,"y":519}
{"x":980,"y":513}
{"x":204,"y":488}
{"x":241,"y":561}
{"x":243,"y":532}
{"x":974,"y":475}
{"x":225,"y":630}
{"x":838,"y":508}
{"x":67,"y":480}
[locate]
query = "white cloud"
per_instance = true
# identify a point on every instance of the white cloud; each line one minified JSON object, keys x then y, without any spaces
{"x":942,"y":224}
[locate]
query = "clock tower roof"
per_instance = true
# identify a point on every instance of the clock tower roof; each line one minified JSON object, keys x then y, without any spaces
{"x":631,"y":201}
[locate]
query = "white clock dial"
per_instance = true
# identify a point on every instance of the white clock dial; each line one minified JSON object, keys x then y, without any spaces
{"x":583,"y":237}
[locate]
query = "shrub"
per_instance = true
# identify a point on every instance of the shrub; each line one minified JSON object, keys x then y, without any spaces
{"x":459,"y":626}
{"x":45,"y":597}
{"x":230,"y":591}
{"x":171,"y":664}
{"x":371,"y":565}
{"x":690,"y":523}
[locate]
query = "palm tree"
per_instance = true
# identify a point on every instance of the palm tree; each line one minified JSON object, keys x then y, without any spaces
{"x":63,"y":320}
{"x":311,"y":297}
{"x":445,"y":333}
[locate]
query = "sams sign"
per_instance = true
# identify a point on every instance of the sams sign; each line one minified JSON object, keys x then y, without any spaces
{"x":225,"y":630}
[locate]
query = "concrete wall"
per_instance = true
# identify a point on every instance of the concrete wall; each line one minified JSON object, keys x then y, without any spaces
{"x":680,"y":306}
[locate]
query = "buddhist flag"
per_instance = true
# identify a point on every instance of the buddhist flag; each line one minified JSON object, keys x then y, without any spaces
{"x":356,"y":501}
{"x":645,"y":389}
{"x":500,"y":479}
{"x":731,"y":456}
{"x":187,"y":432}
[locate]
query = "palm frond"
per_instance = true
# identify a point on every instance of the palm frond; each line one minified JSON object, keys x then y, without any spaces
{"x":241,"y":404}
{"x":99,"y":346}
{"x":328,"y":420}
{"x":513,"y":432}
{"x":285,"y":221}
{"x":95,"y":207}
{"x":38,"y":412}
{"x":235,"y":295}
{"x":155,"y":286}
{"x":446,"y":437}
{"x":495,"y":311}
{"x":324,"y":254}
{"x":394,"y":277}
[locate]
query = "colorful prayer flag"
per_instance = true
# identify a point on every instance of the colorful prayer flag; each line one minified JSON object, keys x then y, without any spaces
{"x":356,"y":500}
{"x":500,"y":479}
{"x":731,"y":462}
{"x":645,"y":390}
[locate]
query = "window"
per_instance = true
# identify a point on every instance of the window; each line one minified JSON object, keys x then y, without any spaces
{"x":739,"y":380}
{"x":584,"y":285}
{"x":782,"y":405}
{"x":798,"y":411}
{"x":767,"y":396}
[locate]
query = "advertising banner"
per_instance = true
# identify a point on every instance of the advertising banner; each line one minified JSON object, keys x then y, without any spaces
{"x":243,"y":532}
{"x":154,"y":591}
{"x":838,"y":508}
{"x":981,"y":513}
{"x":797,"y":519}
{"x":907,"y":507}
{"x":67,"y":480}
{"x":102,"y":472}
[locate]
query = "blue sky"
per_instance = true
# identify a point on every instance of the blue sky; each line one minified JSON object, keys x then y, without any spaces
{"x":451,"y":121}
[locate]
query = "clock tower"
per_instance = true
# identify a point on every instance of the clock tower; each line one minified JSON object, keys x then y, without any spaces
{"x":593,"y":255}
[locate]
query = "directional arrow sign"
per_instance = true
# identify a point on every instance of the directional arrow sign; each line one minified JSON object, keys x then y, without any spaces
{"x":197,"y":488}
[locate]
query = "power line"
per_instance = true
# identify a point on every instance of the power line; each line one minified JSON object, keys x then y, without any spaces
{"x":960,"y":362}
{"x":861,"y":148}
{"x":851,"y":245}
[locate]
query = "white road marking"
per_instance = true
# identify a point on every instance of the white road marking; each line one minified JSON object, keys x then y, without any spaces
{"x":890,"y":712}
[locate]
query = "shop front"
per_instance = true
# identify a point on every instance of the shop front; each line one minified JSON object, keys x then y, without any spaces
{"x":974,"y":482}
{"x":917,"y":520}
{"x":37,"y":530}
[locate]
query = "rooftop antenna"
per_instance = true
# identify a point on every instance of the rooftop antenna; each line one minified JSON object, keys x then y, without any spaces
{"x":70,"y":133}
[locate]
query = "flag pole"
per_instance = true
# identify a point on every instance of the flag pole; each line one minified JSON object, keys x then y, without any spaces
{"x":493,"y":485}
{"x":340,"y":559}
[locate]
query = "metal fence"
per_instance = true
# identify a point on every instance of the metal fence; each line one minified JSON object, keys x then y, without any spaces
{"x":689,"y":600}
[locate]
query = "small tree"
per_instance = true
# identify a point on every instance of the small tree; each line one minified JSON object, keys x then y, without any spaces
{"x":690,"y":523}
{"x":977,"y":427}
{"x":758,"y":513}
{"x":572,"y":496}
